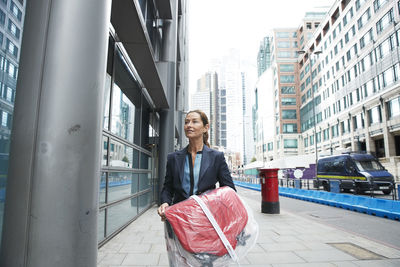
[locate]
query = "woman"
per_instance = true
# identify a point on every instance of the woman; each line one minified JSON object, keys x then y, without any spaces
{"x":196,"y":168}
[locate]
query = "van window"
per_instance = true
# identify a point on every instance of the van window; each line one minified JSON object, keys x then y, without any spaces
{"x":332,"y":166}
{"x":368,"y":165}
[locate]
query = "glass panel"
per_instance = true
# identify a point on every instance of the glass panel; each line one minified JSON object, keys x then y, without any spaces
{"x":106,"y":101}
{"x":102,"y":192}
{"x":135,"y":159}
{"x":121,"y":185}
{"x":126,"y":103}
{"x":105,"y":147}
{"x":145,"y":125}
{"x":145,"y":161}
{"x":144,"y":181}
{"x":100,"y":226}
{"x":120,"y":214}
{"x":121,"y":155}
{"x":144,"y":201}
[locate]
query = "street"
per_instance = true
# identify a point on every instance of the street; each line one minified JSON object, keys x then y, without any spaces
{"x":379,"y":229}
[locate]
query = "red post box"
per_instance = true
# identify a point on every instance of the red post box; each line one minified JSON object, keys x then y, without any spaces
{"x":269,"y":191}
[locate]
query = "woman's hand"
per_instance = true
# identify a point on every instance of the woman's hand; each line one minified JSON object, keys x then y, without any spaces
{"x":161,"y":211}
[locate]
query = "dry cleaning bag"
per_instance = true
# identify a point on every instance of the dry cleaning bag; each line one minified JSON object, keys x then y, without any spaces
{"x":213,"y":229}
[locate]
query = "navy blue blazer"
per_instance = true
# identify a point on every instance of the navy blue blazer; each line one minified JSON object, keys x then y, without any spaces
{"x":213,"y":169}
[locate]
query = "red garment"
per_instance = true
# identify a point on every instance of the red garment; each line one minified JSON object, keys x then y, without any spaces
{"x":193,"y":229}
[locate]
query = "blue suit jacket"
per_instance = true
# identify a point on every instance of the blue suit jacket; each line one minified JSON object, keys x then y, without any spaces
{"x":213,"y":169}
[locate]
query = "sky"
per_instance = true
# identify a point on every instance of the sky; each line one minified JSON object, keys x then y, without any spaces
{"x":215,"y":26}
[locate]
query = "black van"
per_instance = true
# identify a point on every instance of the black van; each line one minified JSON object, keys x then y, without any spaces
{"x":360,"y":172}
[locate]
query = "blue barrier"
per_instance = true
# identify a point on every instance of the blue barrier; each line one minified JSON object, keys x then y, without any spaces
{"x":373,"y":206}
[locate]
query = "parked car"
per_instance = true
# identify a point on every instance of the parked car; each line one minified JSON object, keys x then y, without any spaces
{"x":360,"y":172}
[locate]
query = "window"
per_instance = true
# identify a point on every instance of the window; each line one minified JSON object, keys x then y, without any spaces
{"x":4,"y":118}
{"x":335,"y":130}
{"x":283,"y":44}
{"x":306,"y":142}
{"x":364,"y":18}
{"x":289,"y":114}
{"x":288,"y":101}
{"x":287,"y":78}
{"x":375,"y":115}
{"x":360,"y":3}
{"x":378,"y":4}
{"x":394,"y":107}
{"x":284,"y":54}
{"x":290,"y":128}
{"x":13,"y":29}
{"x":15,"y":11}
{"x":326,"y":134}
{"x":286,"y":68}
{"x":282,"y":35}
{"x":12,"y":48}
{"x":385,"y":21}
{"x":2,"y":17}
{"x":290,"y":143}
{"x":288,"y":90}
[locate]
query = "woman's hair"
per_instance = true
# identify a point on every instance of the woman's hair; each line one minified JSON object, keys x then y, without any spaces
{"x":204,"y":119}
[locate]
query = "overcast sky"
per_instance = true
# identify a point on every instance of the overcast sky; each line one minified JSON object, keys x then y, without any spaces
{"x":218,"y":25}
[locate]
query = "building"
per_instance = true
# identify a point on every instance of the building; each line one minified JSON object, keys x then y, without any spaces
{"x":264,"y":110}
{"x":12,"y":15}
{"x":352,"y":65}
{"x":285,"y":46}
{"x":264,"y":55}
{"x":100,"y":102}
{"x":206,"y":98}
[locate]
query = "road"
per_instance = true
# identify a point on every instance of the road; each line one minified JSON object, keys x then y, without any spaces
{"x":382,"y":230}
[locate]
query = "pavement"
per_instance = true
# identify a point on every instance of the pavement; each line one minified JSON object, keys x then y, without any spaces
{"x":284,"y":239}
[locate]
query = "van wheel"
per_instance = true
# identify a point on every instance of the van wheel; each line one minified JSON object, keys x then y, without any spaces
{"x":357,"y":190}
{"x":387,"y":191}
{"x":326,"y":187}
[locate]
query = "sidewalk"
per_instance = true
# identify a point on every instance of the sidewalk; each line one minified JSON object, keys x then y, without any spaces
{"x":284,"y":240}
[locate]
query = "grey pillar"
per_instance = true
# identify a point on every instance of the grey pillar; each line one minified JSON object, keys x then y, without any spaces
{"x":168,"y":66}
{"x":52,"y":191}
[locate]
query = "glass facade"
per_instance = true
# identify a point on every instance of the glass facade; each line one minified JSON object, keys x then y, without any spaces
{"x":11,"y":24}
{"x":128,"y":182}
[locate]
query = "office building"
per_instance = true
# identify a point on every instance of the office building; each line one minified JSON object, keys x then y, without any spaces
{"x":206,"y":99}
{"x":349,"y":77}
{"x":100,"y":103}
{"x":264,"y":55}
{"x":12,"y":15}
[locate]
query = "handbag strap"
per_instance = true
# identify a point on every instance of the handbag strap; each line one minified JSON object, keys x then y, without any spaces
{"x":214,"y":223}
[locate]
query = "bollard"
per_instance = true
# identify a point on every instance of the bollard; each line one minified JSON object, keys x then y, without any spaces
{"x":269,"y":191}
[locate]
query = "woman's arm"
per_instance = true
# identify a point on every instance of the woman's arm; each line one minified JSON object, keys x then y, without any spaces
{"x":224,"y":176}
{"x":167,"y":193}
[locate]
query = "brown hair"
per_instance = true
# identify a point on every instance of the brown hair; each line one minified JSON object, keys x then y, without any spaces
{"x":204,"y":119}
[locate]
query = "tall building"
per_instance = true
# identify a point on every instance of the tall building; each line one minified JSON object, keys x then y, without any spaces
{"x":231,"y":82}
{"x":12,"y":15}
{"x":264,"y":55}
{"x":206,"y":98}
{"x":248,"y":142}
{"x":349,"y":77}
{"x":285,"y":46}
{"x":101,"y":96}
{"x":265,"y":137}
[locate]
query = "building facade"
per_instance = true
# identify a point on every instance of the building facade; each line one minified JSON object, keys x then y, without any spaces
{"x":100,"y":103}
{"x":12,"y":15}
{"x":264,"y":55}
{"x":349,"y":79}
{"x":206,"y":98}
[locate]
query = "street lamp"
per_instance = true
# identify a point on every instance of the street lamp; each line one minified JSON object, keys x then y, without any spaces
{"x":313,"y":106}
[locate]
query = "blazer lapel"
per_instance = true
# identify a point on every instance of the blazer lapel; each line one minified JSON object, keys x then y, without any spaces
{"x":205,"y":162}
{"x":180,"y":163}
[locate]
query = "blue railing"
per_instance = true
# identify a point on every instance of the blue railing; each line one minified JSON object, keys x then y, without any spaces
{"x":373,"y":206}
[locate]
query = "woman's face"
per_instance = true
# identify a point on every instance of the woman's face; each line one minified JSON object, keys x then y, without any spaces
{"x":194,"y":127}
